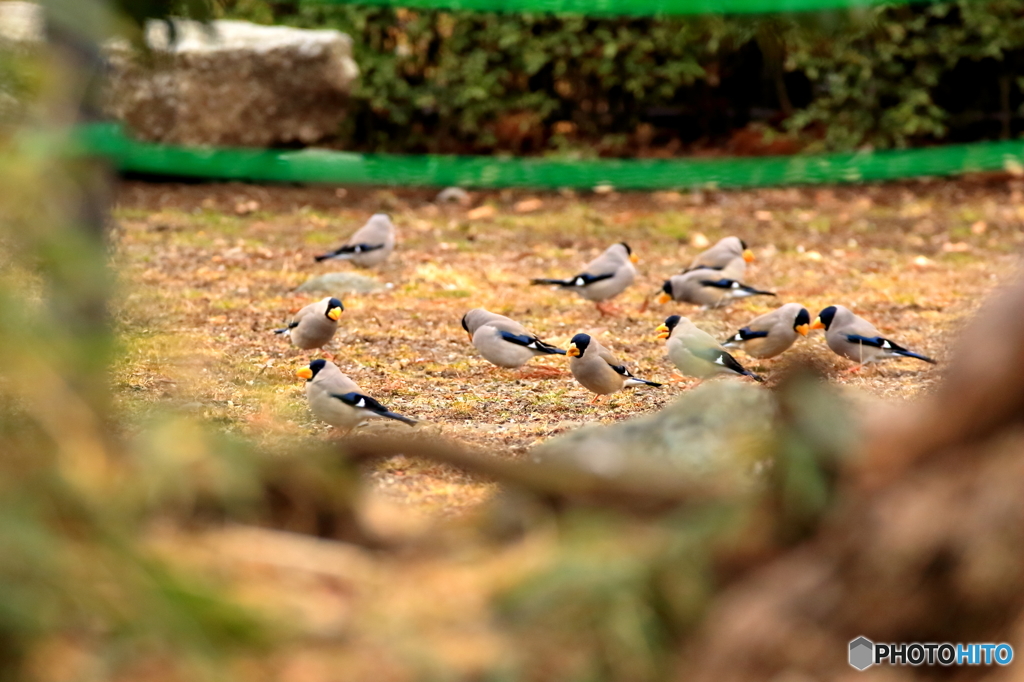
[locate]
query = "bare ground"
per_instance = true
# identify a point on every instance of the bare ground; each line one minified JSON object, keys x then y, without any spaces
{"x":207,"y":272}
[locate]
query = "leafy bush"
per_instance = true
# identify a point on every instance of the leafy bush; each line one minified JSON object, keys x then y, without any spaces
{"x":437,"y":81}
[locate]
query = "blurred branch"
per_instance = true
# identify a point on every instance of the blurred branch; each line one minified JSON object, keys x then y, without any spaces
{"x":642,"y":491}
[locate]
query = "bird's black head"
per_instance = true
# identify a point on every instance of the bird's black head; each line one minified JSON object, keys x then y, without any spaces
{"x":667,"y":287}
{"x":308,"y":373}
{"x":672,"y":321}
{"x":334,"y":309}
{"x":578,"y":345}
{"x":826,"y":316}
{"x":464,"y":325}
{"x":629,"y":251}
{"x":803,"y":317}
{"x":743,"y":245}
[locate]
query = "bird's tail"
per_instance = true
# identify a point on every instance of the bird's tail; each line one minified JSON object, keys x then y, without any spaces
{"x":559,"y":282}
{"x":911,"y":354}
{"x":343,"y":252}
{"x":398,"y":417}
{"x":548,"y":348}
{"x":745,"y":291}
{"x":637,"y":381}
{"x":283,"y":330}
{"x":755,"y":377}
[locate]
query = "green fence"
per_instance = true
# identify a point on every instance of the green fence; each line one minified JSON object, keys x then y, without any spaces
{"x":322,"y":166}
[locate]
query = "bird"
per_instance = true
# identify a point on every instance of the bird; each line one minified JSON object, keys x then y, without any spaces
{"x":337,"y":400}
{"x":369,"y":246}
{"x":314,"y":325}
{"x":772,"y":333}
{"x":706,"y":287}
{"x":597,"y":370}
{"x":696,"y":353}
{"x":603,"y":278}
{"x":857,"y":339}
{"x":722,"y":254}
{"x":503,"y":341}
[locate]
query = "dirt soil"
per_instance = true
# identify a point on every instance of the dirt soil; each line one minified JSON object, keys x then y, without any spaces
{"x":207,"y":271}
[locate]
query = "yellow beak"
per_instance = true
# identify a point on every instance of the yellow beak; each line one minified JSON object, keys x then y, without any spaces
{"x":334,"y":313}
{"x":817,"y":324}
{"x":634,"y":258}
{"x":470,"y":337}
{"x":572,"y":351}
{"x":663,"y":332}
{"x":663,"y":298}
{"x":802,"y":329}
{"x":748,"y":255}
{"x":304,"y":373}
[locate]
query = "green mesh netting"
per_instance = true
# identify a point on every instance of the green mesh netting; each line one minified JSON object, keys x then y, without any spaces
{"x":323,"y":166}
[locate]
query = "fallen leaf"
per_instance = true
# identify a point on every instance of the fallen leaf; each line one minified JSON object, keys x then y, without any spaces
{"x":482,"y":212}
{"x":528,"y":205}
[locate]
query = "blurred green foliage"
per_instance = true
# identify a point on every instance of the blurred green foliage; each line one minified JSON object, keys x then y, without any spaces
{"x":441,"y":81}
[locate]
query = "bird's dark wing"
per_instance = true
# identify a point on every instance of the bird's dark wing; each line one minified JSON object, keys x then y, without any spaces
{"x":746,"y":334}
{"x":720,"y":357}
{"x":531,"y":342}
{"x":353,"y":249}
{"x":365,"y":402}
{"x":885,"y":344}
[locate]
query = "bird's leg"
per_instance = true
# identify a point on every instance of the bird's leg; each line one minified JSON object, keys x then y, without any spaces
{"x":593,"y":401}
{"x":854,"y":369}
{"x":678,"y":378}
{"x":607,"y":309}
{"x":540,"y":372}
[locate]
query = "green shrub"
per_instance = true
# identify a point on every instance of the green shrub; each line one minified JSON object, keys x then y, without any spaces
{"x":436,"y":81}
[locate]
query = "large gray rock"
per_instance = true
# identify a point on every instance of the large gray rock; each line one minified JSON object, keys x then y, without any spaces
{"x":232,"y":83}
{"x":720,"y":427}
{"x":21,"y":22}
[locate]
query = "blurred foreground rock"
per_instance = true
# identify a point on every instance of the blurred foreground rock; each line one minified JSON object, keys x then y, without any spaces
{"x":699,"y":433}
{"x":232,"y":83}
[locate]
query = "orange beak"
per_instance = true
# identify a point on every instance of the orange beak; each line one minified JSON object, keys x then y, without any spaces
{"x":634,"y":258}
{"x":802,"y":329}
{"x":304,"y":373}
{"x":748,"y":255}
{"x":572,"y":351}
{"x":663,"y":298}
{"x":663,"y":332}
{"x":817,"y":324}
{"x":334,"y":313}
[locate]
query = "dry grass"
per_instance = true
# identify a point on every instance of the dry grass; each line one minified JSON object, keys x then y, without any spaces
{"x":208,"y":271}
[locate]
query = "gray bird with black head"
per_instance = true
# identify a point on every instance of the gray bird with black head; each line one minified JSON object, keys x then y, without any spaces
{"x":857,"y":339}
{"x":503,"y":341}
{"x":334,"y":398}
{"x":723,"y":253}
{"x":696,"y":353}
{"x":707,"y":288}
{"x":314,"y":325}
{"x":770,"y":334}
{"x":369,"y":246}
{"x":597,"y":369}
{"x":603,"y":278}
